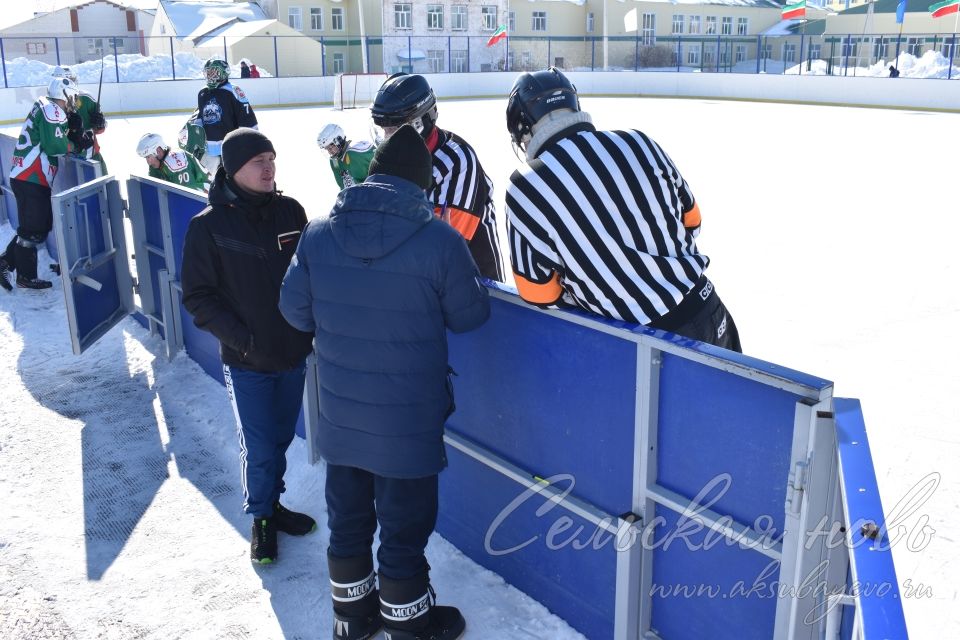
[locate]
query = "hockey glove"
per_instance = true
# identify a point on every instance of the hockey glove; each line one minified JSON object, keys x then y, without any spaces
{"x":97,"y":121}
{"x":74,"y":121}
{"x":81,"y":139}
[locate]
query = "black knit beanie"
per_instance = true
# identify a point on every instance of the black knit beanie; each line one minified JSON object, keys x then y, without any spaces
{"x":406,"y":156}
{"x":240,"y":145}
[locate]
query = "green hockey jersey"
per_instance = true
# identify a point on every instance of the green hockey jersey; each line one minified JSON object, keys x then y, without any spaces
{"x":193,"y":138}
{"x":351,"y":167}
{"x":86,"y":106}
{"x":43,"y":138}
{"x":179,"y":167}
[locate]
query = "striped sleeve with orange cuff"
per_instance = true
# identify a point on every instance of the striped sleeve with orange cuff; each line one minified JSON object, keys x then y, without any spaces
{"x":691,"y":218}
{"x":544,"y":294}
{"x":463,"y":221}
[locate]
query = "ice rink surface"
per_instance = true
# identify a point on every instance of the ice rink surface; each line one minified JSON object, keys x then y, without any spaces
{"x":830,"y":232}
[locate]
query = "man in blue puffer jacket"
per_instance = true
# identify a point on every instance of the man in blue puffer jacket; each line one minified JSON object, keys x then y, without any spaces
{"x":379,"y":282}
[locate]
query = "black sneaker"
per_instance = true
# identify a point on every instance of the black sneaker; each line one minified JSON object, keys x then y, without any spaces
{"x":5,"y":275}
{"x":33,"y":283}
{"x":263,"y":541}
{"x":291,"y":522}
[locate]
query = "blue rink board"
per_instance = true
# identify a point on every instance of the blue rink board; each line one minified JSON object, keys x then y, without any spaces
{"x":711,"y":423}
{"x":502,"y":399}
{"x":743,"y":605}
{"x":579,"y":583}
{"x":93,"y":307}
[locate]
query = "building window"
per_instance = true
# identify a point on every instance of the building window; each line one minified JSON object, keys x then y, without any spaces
{"x":489,"y":18}
{"x":435,"y":60}
{"x":880,"y":49}
{"x":677,"y":24}
{"x":724,"y":55}
{"x":526,"y":60}
{"x":915,"y":47}
{"x":338,"y":63}
{"x":589,"y":23}
{"x":510,"y":64}
{"x":539,"y":21}
{"x":726,"y":26}
{"x":403,"y":16}
{"x":336,"y":19}
{"x":693,"y":55}
{"x":163,"y":29}
{"x":813,"y":53}
{"x":789,"y":52}
{"x":849,"y":48}
{"x":694,"y":24}
{"x":649,"y":27}
{"x":36,"y":48}
{"x":511,"y":21}
{"x":434,"y":17}
{"x":316,"y":19}
{"x":711,"y":26}
{"x":458,"y":17}
{"x":766,"y":52}
{"x":95,"y":46}
{"x":458,"y":61}
{"x":116,"y":44}
{"x":295,"y":18}
{"x":741,"y":55}
{"x":742,"y":26}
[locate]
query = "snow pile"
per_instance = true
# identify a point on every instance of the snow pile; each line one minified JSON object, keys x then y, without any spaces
{"x":133,"y":67}
{"x":932,"y":64}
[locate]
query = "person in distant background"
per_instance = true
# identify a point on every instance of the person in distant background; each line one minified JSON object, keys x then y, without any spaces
{"x":254,"y":72}
{"x":88,"y":117}
{"x":603,"y":221}
{"x":894,"y":72}
{"x":244,"y":69}
{"x":178,"y":167}
{"x":44,"y":137}
{"x":349,"y":162}
{"x":223,"y":108}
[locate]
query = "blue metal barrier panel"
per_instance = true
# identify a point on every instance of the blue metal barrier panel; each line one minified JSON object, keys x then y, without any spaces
{"x":556,"y":420}
{"x":182,"y":209}
{"x":704,"y":587}
{"x":153,"y":232}
{"x":572,"y":572}
{"x":713,"y":423}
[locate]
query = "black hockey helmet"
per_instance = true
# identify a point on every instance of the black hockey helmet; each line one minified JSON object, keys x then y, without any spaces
{"x":533,"y":96}
{"x":405,"y":99}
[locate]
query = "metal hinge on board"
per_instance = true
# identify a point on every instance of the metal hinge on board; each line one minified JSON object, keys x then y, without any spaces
{"x":796,"y":485}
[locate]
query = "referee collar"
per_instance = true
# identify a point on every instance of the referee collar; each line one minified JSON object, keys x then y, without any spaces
{"x":565,"y":133}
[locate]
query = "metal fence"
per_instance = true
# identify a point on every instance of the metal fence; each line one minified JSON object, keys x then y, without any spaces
{"x":124,"y":59}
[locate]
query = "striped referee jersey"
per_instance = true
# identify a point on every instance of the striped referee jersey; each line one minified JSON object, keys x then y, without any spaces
{"x":605,"y":221}
{"x":463,"y":196}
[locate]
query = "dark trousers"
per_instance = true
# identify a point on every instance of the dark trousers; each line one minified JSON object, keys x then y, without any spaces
{"x":701,"y":315}
{"x":405,"y":508}
{"x":266,"y":406}
{"x":35,"y":214}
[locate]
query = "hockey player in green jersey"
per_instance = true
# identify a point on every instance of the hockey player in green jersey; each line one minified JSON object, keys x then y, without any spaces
{"x":43,"y":138}
{"x":193,"y":137}
{"x":88,"y":117}
{"x":349,"y":162}
{"x":178,"y":167}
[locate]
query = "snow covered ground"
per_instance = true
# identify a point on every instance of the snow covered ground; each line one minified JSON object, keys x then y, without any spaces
{"x":831,"y":243}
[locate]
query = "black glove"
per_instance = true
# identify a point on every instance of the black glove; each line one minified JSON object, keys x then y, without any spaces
{"x":80,"y":139}
{"x":74,"y":121}
{"x":97,"y":121}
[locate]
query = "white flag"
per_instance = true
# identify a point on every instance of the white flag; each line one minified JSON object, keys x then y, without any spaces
{"x":630,"y":21}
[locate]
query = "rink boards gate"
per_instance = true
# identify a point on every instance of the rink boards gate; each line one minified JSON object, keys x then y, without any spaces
{"x":637,"y":483}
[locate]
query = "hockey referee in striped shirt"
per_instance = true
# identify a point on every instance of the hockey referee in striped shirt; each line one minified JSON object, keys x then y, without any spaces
{"x":603,"y":220}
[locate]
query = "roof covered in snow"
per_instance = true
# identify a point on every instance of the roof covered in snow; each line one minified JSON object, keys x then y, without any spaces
{"x":195,"y":18}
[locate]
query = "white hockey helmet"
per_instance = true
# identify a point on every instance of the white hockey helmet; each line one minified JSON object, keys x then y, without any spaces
{"x":332,"y":134}
{"x":64,"y":72}
{"x":148,"y":144}
{"x":64,"y":89}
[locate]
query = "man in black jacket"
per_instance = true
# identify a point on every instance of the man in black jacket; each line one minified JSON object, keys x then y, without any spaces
{"x":234,"y":257}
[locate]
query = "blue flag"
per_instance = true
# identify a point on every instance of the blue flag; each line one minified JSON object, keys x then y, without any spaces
{"x":901,"y":9}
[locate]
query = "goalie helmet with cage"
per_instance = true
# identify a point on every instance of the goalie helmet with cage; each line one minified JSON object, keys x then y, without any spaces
{"x":404,"y":99}
{"x":64,"y":89}
{"x":216,"y":71}
{"x":64,"y":72}
{"x":332,"y":134}
{"x":532,"y":97}
{"x":149,"y":143}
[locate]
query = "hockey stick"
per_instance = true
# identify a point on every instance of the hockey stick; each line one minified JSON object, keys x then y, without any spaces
{"x":100,"y":86}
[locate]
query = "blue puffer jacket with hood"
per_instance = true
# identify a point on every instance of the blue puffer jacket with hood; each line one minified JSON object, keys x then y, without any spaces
{"x":379,"y":282}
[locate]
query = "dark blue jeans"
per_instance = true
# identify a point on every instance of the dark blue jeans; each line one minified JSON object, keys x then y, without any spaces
{"x":266,"y":406}
{"x":406,"y":509}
